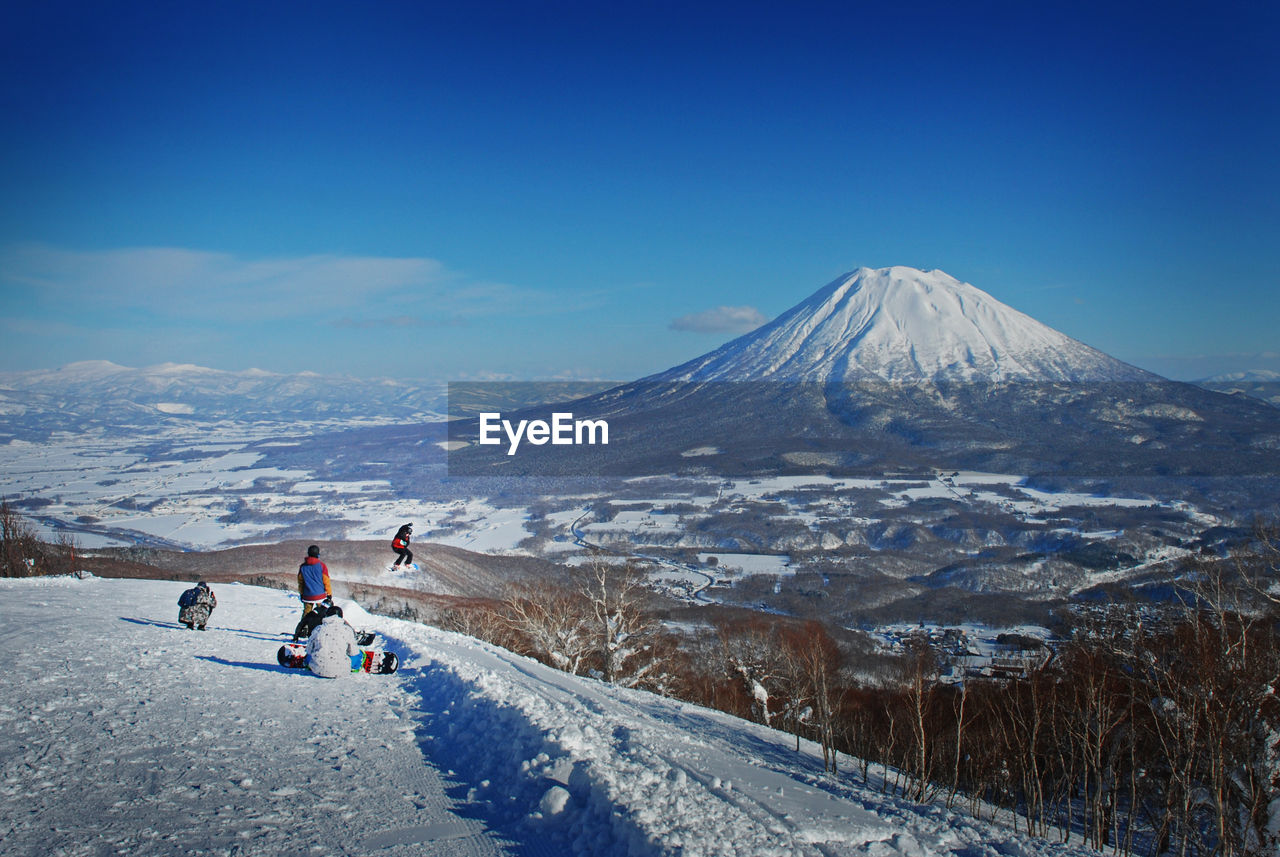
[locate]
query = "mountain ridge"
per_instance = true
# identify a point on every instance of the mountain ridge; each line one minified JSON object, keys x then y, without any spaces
{"x":904,"y":325}
{"x":888,"y":369}
{"x":99,"y":394}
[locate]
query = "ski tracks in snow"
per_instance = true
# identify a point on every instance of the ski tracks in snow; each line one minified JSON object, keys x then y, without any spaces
{"x":130,"y":734}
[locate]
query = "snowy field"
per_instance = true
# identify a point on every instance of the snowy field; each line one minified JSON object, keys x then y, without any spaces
{"x":184,"y":496}
{"x":749,"y":563}
{"x":123,"y":733}
{"x":175,"y":487}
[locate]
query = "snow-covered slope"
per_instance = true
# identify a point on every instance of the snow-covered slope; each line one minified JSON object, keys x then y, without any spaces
{"x":903,"y":325}
{"x":121,"y":732}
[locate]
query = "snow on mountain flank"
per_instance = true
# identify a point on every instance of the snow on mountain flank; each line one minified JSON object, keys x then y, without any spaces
{"x":121,"y":732}
{"x":903,"y":325}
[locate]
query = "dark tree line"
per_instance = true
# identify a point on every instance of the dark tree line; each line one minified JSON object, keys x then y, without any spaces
{"x":22,"y":554}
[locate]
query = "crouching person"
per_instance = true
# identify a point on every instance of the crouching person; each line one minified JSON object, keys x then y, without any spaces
{"x":331,"y":646}
{"x":311,"y":620}
{"x":196,"y":605}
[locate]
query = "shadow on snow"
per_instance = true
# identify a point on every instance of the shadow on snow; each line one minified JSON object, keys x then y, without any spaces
{"x":175,"y":626}
{"x":488,"y":755}
{"x":263,"y":666}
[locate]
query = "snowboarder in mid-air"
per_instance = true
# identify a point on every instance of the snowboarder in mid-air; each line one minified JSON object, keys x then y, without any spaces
{"x":196,"y":605}
{"x":400,"y":544}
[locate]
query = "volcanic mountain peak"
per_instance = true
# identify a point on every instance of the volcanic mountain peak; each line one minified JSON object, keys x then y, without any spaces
{"x":903,"y":325}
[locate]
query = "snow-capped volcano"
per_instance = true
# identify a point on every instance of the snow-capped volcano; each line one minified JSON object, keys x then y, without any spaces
{"x":903,"y":325}
{"x":893,"y":368}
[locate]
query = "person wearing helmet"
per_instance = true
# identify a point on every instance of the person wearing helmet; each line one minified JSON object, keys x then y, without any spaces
{"x":400,"y":544}
{"x":196,"y":605}
{"x":313,"y":580}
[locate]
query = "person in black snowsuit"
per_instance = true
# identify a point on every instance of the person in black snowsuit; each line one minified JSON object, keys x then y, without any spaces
{"x":315,"y":618}
{"x":400,"y":544}
{"x":311,"y":620}
{"x":196,"y":605}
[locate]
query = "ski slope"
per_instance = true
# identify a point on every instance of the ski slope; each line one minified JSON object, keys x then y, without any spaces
{"x":121,"y":732}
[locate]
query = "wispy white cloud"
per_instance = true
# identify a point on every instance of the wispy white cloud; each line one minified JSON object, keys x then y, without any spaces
{"x":721,"y":319}
{"x":183,"y":283}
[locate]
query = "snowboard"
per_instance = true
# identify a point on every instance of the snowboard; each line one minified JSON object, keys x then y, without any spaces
{"x":364,"y":639}
{"x":294,"y":656}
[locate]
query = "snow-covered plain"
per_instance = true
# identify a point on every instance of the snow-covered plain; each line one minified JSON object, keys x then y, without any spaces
{"x":123,"y":733}
{"x":175,"y":487}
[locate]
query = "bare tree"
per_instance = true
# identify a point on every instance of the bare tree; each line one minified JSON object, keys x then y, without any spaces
{"x":814,"y":661}
{"x":749,"y":649}
{"x":1233,"y":638}
{"x":1022,"y":714}
{"x":479,"y":618}
{"x":921,"y":670}
{"x":623,"y":633}
{"x":1259,"y":567}
{"x":959,"y":700}
{"x":855,"y":726}
{"x":1095,"y":718}
{"x":62,"y":554}
{"x":552,"y":623}
{"x":24,"y":555}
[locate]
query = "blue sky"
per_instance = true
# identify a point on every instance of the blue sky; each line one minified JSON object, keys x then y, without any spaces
{"x":567,"y":189}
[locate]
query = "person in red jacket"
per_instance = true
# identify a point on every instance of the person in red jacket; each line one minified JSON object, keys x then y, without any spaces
{"x":313,"y":580}
{"x":400,"y":544}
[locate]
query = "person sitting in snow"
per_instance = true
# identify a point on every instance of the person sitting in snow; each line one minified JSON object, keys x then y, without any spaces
{"x":313,"y":581}
{"x":400,"y":544}
{"x":332,"y":646}
{"x":196,"y":605}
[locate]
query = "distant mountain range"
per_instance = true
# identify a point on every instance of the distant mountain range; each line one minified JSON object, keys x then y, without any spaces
{"x":883,"y":370}
{"x":906,"y":377}
{"x":102,"y":395}
{"x":899,"y":369}
{"x":1258,"y":383}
